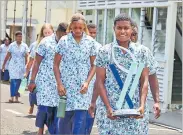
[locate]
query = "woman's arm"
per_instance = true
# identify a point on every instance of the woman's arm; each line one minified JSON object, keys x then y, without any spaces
{"x":35,"y":69}
{"x":100,"y":79}
{"x":28,"y":66}
{"x":91,"y":73}
{"x":26,"y":58}
{"x":8,"y":55}
{"x":144,"y":86}
{"x":92,"y":69}
{"x":36,"y":65}
{"x":56,"y":69}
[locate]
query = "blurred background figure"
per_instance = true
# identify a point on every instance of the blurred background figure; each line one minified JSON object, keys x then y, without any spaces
{"x":3,"y":51}
{"x":18,"y":51}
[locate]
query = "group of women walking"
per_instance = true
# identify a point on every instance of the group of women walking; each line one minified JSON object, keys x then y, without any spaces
{"x":64,"y":63}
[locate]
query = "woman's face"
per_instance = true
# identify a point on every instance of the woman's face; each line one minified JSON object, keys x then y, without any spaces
{"x":123,"y":31}
{"x":78,"y":28}
{"x":47,"y":32}
{"x":7,"y":42}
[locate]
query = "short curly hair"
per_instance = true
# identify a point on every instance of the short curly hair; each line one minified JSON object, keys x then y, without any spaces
{"x":62,"y":27}
{"x":91,"y":25}
{"x":123,"y":17}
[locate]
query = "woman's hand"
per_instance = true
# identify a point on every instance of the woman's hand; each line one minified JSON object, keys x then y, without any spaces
{"x":61,"y":90}
{"x":3,"y":68}
{"x":84,"y":88}
{"x":110,"y":114}
{"x":141,"y":110}
{"x":25,"y":75}
{"x":31,"y":86}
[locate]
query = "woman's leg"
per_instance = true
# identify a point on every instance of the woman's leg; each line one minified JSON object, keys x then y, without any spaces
{"x":89,"y":124}
{"x":31,"y":109}
{"x":18,"y":82}
{"x":64,"y":125}
{"x":12,"y":90}
{"x":79,"y":122}
{"x":41,"y":119}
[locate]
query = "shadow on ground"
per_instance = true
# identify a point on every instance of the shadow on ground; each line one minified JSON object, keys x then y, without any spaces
{"x":11,"y":103}
{"x":28,"y":116}
{"x":29,"y":133}
{"x":33,"y":133}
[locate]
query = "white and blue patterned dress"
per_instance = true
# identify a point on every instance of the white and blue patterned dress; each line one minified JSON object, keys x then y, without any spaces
{"x":91,"y":86}
{"x":17,"y":62}
{"x":75,"y":68}
{"x":153,"y":67}
{"x":3,"y":52}
{"x":47,"y":94}
{"x":123,"y":126}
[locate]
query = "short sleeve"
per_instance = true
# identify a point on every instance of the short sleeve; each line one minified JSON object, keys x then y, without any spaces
{"x":10,"y":48}
{"x":93,"y":51}
{"x":1,"y":48}
{"x":31,"y":47}
{"x":60,"y":47}
{"x":152,"y":64}
{"x":33,"y":53}
{"x":41,"y":49}
{"x":101,"y":59}
{"x":27,"y":50}
{"x":97,"y":46}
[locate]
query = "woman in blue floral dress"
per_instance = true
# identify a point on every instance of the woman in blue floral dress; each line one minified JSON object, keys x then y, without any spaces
{"x":18,"y":51}
{"x":74,"y":51}
{"x":43,"y":80}
{"x":153,"y":82}
{"x":109,"y":88}
{"x":46,"y":30}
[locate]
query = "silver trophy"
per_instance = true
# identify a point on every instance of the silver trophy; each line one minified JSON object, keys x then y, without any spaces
{"x":126,"y":97}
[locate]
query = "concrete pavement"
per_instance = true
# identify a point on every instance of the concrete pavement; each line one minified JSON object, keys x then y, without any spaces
{"x":15,"y":118}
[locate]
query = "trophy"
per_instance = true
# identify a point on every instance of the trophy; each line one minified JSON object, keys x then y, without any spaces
{"x":126,"y":96}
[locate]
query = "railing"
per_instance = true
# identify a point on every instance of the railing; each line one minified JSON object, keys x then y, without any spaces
{"x":179,"y":19}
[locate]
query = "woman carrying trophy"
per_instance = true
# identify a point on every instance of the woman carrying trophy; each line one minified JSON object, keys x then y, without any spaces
{"x":122,"y":80}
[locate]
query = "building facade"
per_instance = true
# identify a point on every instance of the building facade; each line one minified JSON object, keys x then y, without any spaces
{"x":31,"y":14}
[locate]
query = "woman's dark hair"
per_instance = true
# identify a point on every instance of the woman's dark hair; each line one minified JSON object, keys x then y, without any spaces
{"x":91,"y":25}
{"x":134,"y":24}
{"x":122,"y":17}
{"x":18,"y":33}
{"x":62,"y":27}
{"x":6,"y":38}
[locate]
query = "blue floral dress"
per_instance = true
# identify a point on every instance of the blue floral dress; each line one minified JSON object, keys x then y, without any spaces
{"x":17,"y":62}
{"x":122,"y":126}
{"x":3,"y":52}
{"x":47,"y":94}
{"x":91,"y":86}
{"x":75,"y":68}
{"x":153,"y":67}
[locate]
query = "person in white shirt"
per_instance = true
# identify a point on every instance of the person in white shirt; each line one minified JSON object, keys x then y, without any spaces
{"x":3,"y":51}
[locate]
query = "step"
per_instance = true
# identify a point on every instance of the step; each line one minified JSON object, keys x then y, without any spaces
{"x":177,"y":90}
{"x":177,"y":70}
{"x":176,"y":94}
{"x":177,"y":74}
{"x":178,"y":87}
{"x":176,"y":97}
{"x":177,"y":63}
{"x":177,"y":80}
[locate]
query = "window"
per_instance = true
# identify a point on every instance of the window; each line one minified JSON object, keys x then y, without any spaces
{"x":89,"y":12}
{"x":100,"y":26}
{"x":109,"y":30}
